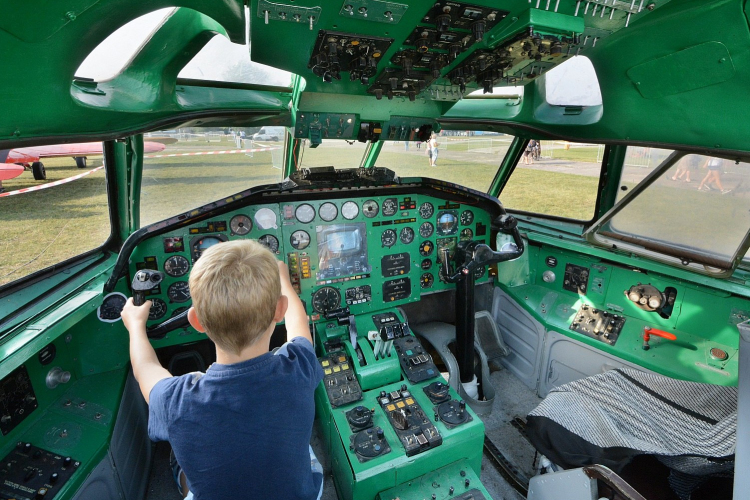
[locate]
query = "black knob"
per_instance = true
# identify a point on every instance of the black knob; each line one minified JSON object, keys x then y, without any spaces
{"x":443,"y":23}
{"x":67,"y":461}
{"x":53,"y":478}
{"x":380,"y":433}
{"x":467,"y":482}
{"x":462,"y":405}
{"x":383,"y":394}
{"x":478,"y":29}
{"x":403,"y":387}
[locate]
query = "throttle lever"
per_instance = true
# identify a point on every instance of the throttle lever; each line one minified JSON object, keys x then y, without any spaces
{"x":144,"y":281}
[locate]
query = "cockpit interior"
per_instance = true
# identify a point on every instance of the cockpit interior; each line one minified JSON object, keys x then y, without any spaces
{"x":519,"y":230}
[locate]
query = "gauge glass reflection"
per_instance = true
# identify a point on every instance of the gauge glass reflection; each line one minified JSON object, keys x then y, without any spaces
{"x":328,"y":211}
{"x":305,"y":213}
{"x":349,"y":210}
{"x":265,"y":218}
{"x":370,"y":208}
{"x":300,"y":240}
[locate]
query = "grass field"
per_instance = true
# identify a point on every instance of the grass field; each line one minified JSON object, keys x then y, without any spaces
{"x":45,"y":227}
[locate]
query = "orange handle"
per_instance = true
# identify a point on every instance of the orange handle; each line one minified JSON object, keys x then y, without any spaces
{"x":648,"y":331}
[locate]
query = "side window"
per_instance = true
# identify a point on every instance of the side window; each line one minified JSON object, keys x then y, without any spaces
{"x":556,"y":178}
{"x":53,"y":206}
{"x":189,"y":167}
{"x":468,"y":158}
{"x":696,"y":210}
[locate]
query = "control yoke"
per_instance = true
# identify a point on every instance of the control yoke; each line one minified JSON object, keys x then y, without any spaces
{"x":472,"y":255}
{"x":144,"y":281}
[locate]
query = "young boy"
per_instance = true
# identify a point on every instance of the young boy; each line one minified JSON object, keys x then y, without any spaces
{"x":242,"y":429}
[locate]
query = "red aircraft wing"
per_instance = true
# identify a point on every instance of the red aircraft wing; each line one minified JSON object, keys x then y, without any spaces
{"x":35,"y":153}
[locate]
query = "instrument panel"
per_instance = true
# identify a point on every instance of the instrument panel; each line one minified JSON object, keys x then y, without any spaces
{"x":366,"y":253}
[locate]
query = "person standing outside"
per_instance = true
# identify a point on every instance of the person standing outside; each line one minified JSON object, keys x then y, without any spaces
{"x":433,"y":145}
{"x":715,"y":167}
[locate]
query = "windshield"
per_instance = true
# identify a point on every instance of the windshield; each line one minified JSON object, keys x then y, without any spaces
{"x":189,"y":167}
{"x":467,"y":158}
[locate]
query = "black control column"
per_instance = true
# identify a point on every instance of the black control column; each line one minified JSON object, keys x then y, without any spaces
{"x":470,"y":256}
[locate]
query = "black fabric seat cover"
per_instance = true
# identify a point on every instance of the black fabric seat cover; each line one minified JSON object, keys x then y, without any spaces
{"x":610,"y":418}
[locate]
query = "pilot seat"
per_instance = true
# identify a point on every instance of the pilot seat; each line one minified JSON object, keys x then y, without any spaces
{"x":611,"y":418}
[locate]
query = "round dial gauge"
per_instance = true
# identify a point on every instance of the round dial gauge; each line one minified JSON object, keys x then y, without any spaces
{"x":390,"y":206}
{"x":300,"y":240}
{"x":176,"y":266}
{"x":241,"y":224}
{"x":406,"y":236}
{"x":111,"y":307}
{"x":179,"y":311}
{"x":447,"y":223}
{"x":426,"y":264}
{"x":466,"y":234}
{"x":350,"y":210}
{"x":426,"y":229}
{"x":426,"y":210}
{"x":426,"y":248}
{"x":370,"y":208}
{"x":266,"y":218}
{"x":158,"y":309}
{"x":326,"y":299}
{"x":179,"y":291}
{"x":328,"y":211}
{"x":305,"y":213}
{"x":467,"y":217}
{"x":427,"y":280}
{"x":270,"y":242}
{"x":388,"y":238}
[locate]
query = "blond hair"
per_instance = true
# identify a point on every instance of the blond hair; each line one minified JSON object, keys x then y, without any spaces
{"x":235,"y":288}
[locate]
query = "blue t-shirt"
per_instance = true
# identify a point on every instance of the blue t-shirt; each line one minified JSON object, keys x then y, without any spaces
{"x":243,"y":430}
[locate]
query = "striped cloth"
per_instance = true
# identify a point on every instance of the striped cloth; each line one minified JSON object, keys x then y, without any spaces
{"x":612,"y":417}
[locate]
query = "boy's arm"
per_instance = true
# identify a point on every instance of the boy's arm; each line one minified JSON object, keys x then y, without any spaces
{"x":146,"y":367}
{"x":295,"y":317}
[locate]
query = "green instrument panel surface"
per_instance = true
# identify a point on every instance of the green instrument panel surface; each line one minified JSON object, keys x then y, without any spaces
{"x":366,"y":253}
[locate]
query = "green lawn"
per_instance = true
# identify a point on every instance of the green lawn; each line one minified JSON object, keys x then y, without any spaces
{"x":45,"y":227}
